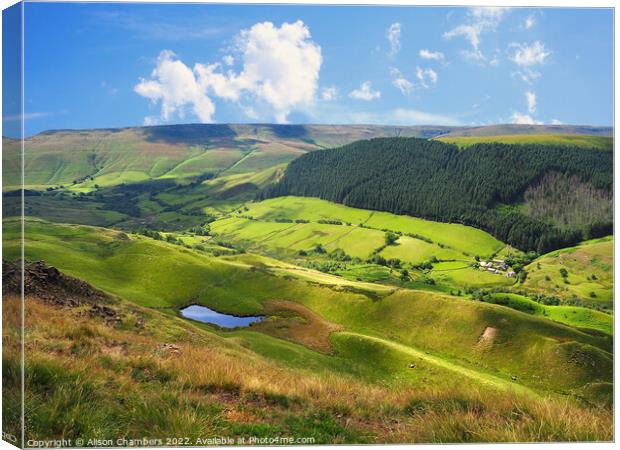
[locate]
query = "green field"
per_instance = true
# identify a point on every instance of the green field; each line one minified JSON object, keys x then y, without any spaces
{"x":577,"y":140}
{"x":448,"y":239}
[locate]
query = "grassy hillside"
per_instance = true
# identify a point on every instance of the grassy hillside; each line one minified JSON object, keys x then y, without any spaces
{"x":538,"y":353}
{"x":577,"y":140}
{"x":291,"y":227}
{"x":571,"y":315}
{"x":379,"y":327}
{"x":482,"y":187}
{"x":113,"y":156}
{"x":168,"y":377}
{"x":452,"y":236}
{"x":589,"y":272}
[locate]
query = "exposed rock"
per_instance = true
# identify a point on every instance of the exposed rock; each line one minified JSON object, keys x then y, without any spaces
{"x":49,"y":284}
{"x":54,"y":287}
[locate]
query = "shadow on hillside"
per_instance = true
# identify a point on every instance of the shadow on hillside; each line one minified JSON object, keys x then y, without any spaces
{"x":191,"y":134}
{"x":288,"y":131}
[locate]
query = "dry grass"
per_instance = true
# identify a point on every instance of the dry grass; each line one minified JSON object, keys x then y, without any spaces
{"x":201,"y":383}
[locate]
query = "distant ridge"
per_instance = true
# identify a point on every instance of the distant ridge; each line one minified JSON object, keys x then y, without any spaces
{"x":296,"y":130}
{"x":498,"y":130}
{"x":109,"y":156}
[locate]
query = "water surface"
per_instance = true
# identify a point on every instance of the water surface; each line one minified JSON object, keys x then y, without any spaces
{"x":207,"y":315}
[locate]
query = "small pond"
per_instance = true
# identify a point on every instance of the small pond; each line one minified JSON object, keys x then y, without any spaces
{"x":206,"y":315}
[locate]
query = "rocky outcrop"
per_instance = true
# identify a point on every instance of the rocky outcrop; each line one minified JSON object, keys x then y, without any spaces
{"x":50,"y":285}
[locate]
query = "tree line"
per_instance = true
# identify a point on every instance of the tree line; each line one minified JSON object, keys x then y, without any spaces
{"x":437,"y":181}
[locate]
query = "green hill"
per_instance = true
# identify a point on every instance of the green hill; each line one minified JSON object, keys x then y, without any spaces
{"x":482,"y":186}
{"x":588,"y":273}
{"x":381,"y":323}
{"x":124,"y":155}
{"x":541,"y":354}
{"x":112,"y":156}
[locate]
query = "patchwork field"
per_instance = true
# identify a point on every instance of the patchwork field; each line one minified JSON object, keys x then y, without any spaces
{"x":445,"y":237}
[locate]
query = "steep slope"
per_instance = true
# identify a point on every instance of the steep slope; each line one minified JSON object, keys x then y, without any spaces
{"x":435,"y":180}
{"x":155,"y":376}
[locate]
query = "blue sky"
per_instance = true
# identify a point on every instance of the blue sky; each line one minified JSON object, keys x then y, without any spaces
{"x":113,"y":65}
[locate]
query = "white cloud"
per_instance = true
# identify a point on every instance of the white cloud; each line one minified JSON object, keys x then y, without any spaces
{"x":229,"y":60}
{"x":329,"y":93}
{"x":479,"y":20}
{"x":529,"y":55}
{"x":393,"y":36}
{"x":280,"y":71}
{"x":174,"y":85}
{"x":400,"y":82}
{"x":365,"y":92}
{"x":556,"y":122}
{"x":531,"y":102}
{"x":426,"y":77}
{"x":524,"y":119}
{"x":529,"y":22}
{"x":427,"y":54}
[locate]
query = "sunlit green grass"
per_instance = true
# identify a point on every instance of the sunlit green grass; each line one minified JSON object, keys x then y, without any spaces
{"x":157,"y":274}
{"x":571,"y":315}
{"x":578,"y":140}
{"x":589,"y":269}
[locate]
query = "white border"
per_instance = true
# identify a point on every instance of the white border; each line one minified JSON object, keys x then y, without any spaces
{"x":515,"y":3}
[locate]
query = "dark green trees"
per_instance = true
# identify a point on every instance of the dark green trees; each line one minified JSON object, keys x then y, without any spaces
{"x":434,"y":180}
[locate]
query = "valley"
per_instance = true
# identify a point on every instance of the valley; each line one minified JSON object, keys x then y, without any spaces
{"x":397,"y":301}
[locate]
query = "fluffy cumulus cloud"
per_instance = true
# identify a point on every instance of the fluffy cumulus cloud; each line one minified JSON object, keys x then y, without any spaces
{"x":427,"y":54}
{"x":365,"y":92}
{"x":479,"y":20}
{"x":527,"y":119}
{"x":393,"y":36}
{"x":531,"y":102}
{"x":279,"y":73}
{"x":424,"y":79}
{"x":175,"y":86}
